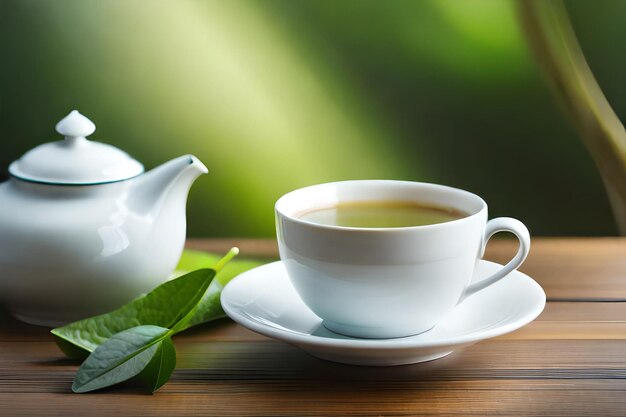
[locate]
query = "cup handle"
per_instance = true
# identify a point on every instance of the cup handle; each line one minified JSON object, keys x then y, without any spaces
{"x":502,"y":224}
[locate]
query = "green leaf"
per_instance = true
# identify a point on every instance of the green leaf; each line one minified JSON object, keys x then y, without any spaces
{"x":160,"y":368}
{"x":121,"y":357}
{"x":70,"y":349}
{"x":210,"y":308}
{"x":135,"y":340}
{"x":165,"y":306}
{"x":191,"y":260}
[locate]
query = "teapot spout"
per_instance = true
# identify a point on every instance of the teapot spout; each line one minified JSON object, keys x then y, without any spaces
{"x":165,"y":186}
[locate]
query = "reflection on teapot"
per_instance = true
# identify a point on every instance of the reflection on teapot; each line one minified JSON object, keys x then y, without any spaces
{"x":84,"y":230}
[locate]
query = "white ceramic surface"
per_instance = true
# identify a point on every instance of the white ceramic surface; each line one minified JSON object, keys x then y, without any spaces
{"x":263,"y":300}
{"x":75,"y":160}
{"x":75,"y":250}
{"x":387,"y":282}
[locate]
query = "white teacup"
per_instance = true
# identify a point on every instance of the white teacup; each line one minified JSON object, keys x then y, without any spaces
{"x":387,"y":282}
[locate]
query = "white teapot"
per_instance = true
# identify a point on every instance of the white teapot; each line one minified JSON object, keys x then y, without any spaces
{"x":84,"y":230}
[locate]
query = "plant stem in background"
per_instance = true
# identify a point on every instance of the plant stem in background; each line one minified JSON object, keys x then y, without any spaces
{"x":553,"y":41}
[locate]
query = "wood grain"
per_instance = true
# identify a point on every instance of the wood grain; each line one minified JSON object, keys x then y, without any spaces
{"x":567,"y":269}
{"x":572,"y":269}
{"x":570,"y":361}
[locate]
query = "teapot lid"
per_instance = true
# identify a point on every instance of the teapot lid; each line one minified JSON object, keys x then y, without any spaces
{"x":75,"y":160}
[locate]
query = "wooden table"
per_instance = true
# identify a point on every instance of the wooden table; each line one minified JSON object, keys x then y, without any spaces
{"x":570,"y":361}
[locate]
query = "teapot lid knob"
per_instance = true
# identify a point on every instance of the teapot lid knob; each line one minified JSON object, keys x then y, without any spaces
{"x":75,"y":126}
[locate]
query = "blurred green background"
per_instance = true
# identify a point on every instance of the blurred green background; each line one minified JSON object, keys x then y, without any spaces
{"x":273,"y":95}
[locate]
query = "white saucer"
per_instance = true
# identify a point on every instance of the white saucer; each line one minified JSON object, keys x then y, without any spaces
{"x":263,"y":300}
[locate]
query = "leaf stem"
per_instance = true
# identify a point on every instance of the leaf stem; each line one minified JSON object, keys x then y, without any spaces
{"x":234,"y":251}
